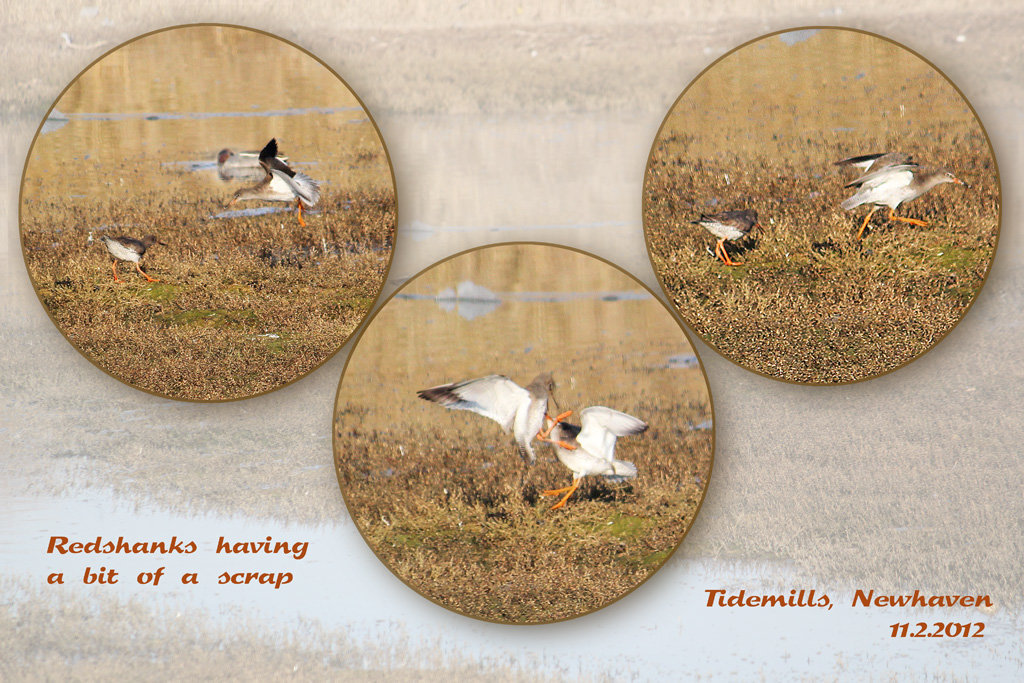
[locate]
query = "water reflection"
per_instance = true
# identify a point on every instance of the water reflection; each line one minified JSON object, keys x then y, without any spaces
{"x":683,"y":360}
{"x":793,"y":37}
{"x":376,"y":605}
{"x":55,"y":121}
{"x":168,"y":116}
{"x":470,"y":300}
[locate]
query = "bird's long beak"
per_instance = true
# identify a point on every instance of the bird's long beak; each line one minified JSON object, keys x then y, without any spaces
{"x":551,"y":394}
{"x":963,"y":183}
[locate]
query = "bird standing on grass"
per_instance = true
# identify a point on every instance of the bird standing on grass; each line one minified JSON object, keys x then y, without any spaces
{"x":728,"y":225}
{"x":892,"y":179}
{"x":129,"y":249}
{"x":590,"y":449}
{"x":516,"y":409}
{"x":281,"y":183}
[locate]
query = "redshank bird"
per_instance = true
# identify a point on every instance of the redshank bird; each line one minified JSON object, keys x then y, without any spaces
{"x":891,"y":180}
{"x":728,"y":225}
{"x":129,"y":249}
{"x":281,"y":184}
{"x":523,"y":411}
{"x":875,"y":162}
{"x":233,"y":165}
{"x":590,"y":449}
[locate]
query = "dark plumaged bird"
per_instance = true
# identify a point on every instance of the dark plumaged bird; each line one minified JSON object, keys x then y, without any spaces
{"x":728,"y":225}
{"x":131,"y":250}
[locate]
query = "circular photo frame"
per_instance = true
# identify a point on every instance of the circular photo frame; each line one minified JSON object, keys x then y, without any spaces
{"x":821,"y":205}
{"x":523,"y":433}
{"x":208,"y":212}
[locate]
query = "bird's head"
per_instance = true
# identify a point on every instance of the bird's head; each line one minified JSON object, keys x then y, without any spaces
{"x":543,"y":385}
{"x":948,"y":177}
{"x":752,"y":216}
{"x":243,"y":193}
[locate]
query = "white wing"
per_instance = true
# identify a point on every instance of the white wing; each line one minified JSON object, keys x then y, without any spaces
{"x":881,"y":185}
{"x":602,"y":426}
{"x":901,"y":173}
{"x":494,"y":396}
{"x":280,"y":187}
{"x":300,"y":185}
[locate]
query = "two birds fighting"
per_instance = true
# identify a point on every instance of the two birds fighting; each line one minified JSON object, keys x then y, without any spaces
{"x":587,"y":449}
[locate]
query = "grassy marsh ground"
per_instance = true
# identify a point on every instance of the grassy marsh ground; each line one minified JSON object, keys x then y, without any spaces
{"x":442,"y":496}
{"x":466,"y":525}
{"x":246,"y":301}
{"x":242,"y":305}
{"x":761,"y":129}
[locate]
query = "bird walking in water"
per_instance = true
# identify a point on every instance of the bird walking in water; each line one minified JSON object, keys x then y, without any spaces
{"x":281,"y":184}
{"x":519,"y":410}
{"x":892,"y":179}
{"x":590,"y":448}
{"x":131,"y":250}
{"x":728,"y":225}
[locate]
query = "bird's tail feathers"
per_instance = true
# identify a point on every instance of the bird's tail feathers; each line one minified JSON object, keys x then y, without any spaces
{"x":308,"y":189}
{"x":851,"y":203}
{"x":526,"y":453}
{"x":622,"y":470}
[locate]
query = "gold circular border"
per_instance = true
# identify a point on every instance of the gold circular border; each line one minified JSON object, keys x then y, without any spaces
{"x":647,"y":240}
{"x":675,"y":319}
{"x":394,"y":189}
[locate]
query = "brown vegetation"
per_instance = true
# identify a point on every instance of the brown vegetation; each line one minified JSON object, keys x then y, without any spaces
{"x":443,"y":497}
{"x":243,"y":304}
{"x":462,"y":521}
{"x":811,"y":303}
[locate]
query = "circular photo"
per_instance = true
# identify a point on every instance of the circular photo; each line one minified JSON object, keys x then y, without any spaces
{"x":207,"y":213}
{"x":523,"y":433}
{"x":821,"y":205}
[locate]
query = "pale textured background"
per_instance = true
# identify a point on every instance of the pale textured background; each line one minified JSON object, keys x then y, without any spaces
{"x":527,"y":120}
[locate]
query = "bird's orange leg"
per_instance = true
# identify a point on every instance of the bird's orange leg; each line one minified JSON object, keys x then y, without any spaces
{"x":912,"y":221}
{"x":725,"y":255}
{"x":568,"y":491}
{"x":298,"y":205}
{"x":148,"y":278}
{"x":114,"y":268}
{"x":544,"y":433}
{"x":566,"y":446}
{"x":865,"y":223}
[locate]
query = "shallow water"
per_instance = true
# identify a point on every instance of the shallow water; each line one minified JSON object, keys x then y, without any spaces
{"x":467,"y":181}
{"x":662,"y":621}
{"x":135,"y":116}
{"x":522,"y":310}
{"x":349,"y":590}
